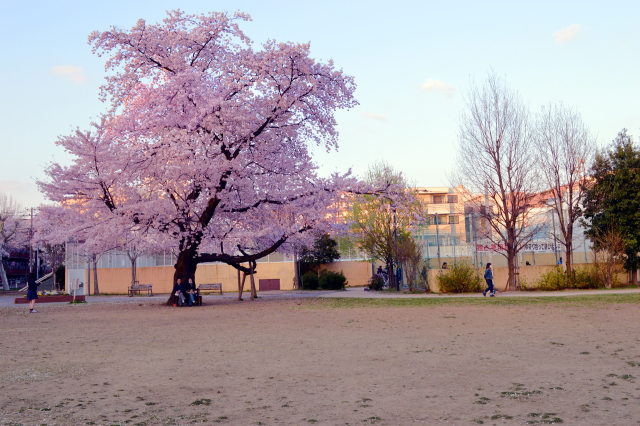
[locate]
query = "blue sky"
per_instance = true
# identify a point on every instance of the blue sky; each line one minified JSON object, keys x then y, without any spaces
{"x":413,"y":62}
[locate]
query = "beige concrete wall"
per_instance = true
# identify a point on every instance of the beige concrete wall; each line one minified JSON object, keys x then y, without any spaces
{"x":357,"y":272}
{"x":116,"y":280}
{"x":528,"y":274}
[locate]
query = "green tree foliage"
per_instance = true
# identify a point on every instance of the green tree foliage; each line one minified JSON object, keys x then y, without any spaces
{"x":324,"y":250}
{"x":613,"y":199}
{"x":373,"y":217}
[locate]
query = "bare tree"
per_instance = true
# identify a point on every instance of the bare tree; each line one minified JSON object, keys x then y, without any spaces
{"x":564,"y":146}
{"x":496,"y":158}
{"x":10,"y":231}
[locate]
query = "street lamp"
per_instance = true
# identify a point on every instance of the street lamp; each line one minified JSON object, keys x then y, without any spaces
{"x":395,"y":238}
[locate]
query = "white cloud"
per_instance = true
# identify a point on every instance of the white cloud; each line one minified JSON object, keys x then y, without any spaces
{"x":75,"y":74}
{"x":438,"y":86}
{"x":375,"y":116}
{"x":567,"y":34}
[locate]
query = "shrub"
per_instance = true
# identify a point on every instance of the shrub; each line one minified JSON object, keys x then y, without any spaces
{"x":330,"y":280}
{"x":461,"y":277}
{"x":556,"y":279}
{"x":375,"y":283}
{"x":552,"y":280}
{"x":310,"y":281}
{"x":586,"y":277}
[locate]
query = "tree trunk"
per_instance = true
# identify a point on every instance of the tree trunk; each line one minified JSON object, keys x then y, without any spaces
{"x":96,"y":290}
{"x":296,"y":275}
{"x":88,"y":286}
{"x":3,"y":277}
{"x":241,"y":285}
{"x":133,"y":270}
{"x":568,"y":254}
{"x":185,"y":268}
{"x":254,"y":293}
{"x":511,"y":277}
{"x":391,"y":276}
{"x":634,"y":276}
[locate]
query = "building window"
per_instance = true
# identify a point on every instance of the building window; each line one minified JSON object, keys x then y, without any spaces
{"x":454,"y":219}
{"x":438,"y":199}
{"x":440,"y":219}
{"x":452,"y":199}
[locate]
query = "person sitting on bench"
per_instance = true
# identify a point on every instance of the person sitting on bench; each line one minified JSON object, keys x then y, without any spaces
{"x":190,"y":291}
{"x":178,"y":292}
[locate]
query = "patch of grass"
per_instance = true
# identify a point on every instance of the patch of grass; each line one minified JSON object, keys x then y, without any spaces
{"x":580,"y":300}
{"x":519,"y":392}
{"x":501,"y":416}
{"x":482,"y":401}
{"x":546,"y":418}
{"x":372,"y":419}
{"x":584,"y":353}
{"x":202,"y":401}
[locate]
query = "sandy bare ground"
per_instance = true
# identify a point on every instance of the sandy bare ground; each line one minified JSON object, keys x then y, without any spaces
{"x":308,"y":361}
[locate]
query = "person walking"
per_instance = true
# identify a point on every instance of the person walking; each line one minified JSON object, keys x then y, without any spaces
{"x":488,"y":277}
{"x":32,"y":293}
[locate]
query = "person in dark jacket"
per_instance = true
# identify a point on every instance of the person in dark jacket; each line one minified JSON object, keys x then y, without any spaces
{"x":190,"y":291}
{"x":488,"y":277}
{"x":178,"y":292}
{"x":32,"y":293}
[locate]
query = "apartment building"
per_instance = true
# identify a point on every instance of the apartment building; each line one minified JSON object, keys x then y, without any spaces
{"x":442,"y":234}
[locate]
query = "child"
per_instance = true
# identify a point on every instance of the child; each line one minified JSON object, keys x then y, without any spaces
{"x":488,"y":277}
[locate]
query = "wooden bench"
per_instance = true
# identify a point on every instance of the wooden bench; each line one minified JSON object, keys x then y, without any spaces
{"x":139,"y":288}
{"x":207,"y":287}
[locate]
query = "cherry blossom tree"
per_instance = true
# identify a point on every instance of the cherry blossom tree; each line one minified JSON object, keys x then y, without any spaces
{"x":12,"y":232}
{"x":205,"y":144}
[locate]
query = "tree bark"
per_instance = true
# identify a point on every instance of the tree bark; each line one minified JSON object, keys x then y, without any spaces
{"x":3,"y":277}
{"x":391,"y":280}
{"x":88,"y":287}
{"x":296,"y":275}
{"x":254,"y":293}
{"x":568,"y":255}
{"x":511,"y":277}
{"x":241,"y":284}
{"x":133,"y":270}
{"x":96,"y":289}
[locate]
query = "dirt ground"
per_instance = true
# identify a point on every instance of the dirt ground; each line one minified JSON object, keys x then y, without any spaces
{"x":307,"y":361}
